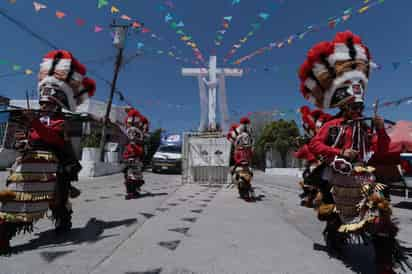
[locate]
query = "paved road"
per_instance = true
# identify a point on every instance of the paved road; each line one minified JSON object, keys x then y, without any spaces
{"x":187,"y":229}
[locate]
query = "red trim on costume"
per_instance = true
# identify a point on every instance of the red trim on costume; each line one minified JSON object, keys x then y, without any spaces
{"x":133,"y":151}
{"x":52,"y":134}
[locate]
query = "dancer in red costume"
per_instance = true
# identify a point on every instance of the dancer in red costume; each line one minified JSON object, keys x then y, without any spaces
{"x":335,"y":75}
{"x":41,"y":176}
{"x":241,"y":138}
{"x":312,"y":182}
{"x":137,"y":128}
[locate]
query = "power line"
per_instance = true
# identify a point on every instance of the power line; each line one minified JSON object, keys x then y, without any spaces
{"x":27,"y":29}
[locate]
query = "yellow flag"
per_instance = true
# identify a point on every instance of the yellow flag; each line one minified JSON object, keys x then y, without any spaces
{"x":28,"y":71}
{"x":114,"y":10}
{"x":185,"y":38}
{"x":363,"y":9}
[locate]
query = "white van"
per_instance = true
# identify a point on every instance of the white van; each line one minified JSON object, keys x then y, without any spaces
{"x":168,"y":156}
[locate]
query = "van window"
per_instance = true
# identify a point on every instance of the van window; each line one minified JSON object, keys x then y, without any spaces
{"x":170,"y":149}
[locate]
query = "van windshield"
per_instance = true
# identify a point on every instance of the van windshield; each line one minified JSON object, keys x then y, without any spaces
{"x":170,"y":149}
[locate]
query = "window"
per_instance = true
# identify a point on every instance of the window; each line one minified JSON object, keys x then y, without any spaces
{"x":170,"y":149}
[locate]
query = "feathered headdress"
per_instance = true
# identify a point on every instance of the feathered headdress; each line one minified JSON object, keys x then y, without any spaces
{"x":62,"y":80}
{"x":336,"y":72}
{"x":237,"y":129}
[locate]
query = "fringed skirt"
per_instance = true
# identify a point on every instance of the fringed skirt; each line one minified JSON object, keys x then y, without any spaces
{"x":30,"y":187}
{"x":133,"y":171}
{"x":351,"y":204}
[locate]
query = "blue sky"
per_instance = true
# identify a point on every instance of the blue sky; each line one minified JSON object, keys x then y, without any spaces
{"x":154,"y":83}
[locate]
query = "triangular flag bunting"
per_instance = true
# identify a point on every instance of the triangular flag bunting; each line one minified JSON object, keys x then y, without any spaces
{"x":348,"y":11}
{"x":363,"y":9}
{"x":60,"y":14}
{"x":97,"y":29}
{"x":180,"y":24}
{"x":80,"y":22}
{"x":125,"y":17}
{"x":264,"y":15}
{"x":168,"y":17}
{"x":114,"y":10}
{"x":136,"y":25}
{"x":228,"y":18}
{"x":256,"y":26}
{"x":102,"y":3}
{"x":38,"y":6}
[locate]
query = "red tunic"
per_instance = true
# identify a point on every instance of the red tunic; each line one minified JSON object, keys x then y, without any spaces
{"x":305,"y":153}
{"x":51,"y":133}
{"x":133,"y":151}
{"x":379,"y":144}
{"x":243,"y":155}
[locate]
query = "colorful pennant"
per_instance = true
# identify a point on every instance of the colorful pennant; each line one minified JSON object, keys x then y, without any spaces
{"x":38,"y":6}
{"x":16,"y":68}
{"x":177,"y":25}
{"x":220,"y":33}
{"x":262,"y":17}
{"x":332,"y":22}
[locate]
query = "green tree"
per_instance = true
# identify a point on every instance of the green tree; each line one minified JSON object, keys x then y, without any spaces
{"x":281,"y":135}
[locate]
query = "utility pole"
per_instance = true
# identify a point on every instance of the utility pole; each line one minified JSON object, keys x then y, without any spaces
{"x":118,"y":41}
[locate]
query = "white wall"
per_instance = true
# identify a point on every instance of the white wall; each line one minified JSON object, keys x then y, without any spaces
{"x":273,"y":159}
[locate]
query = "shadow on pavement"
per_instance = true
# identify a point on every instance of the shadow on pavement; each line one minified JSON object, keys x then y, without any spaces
{"x":90,"y":233}
{"x":150,"y":194}
{"x":153,"y":271}
{"x":403,"y":205}
{"x":258,"y":198}
{"x":358,"y":258}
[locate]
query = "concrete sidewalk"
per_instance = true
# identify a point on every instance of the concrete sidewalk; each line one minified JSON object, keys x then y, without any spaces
{"x":102,"y":221}
{"x":187,"y":229}
{"x":220,"y":234}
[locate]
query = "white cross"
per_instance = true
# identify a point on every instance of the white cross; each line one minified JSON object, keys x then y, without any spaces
{"x":214,"y":73}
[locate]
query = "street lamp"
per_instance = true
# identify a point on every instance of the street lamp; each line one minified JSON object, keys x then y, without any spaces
{"x":119,"y":40}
